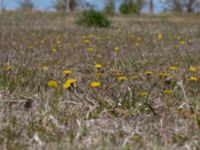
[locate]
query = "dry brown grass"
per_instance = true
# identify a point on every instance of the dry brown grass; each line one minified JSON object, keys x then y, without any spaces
{"x":115,"y":115}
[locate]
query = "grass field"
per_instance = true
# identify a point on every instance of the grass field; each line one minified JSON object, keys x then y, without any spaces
{"x":134,"y":85}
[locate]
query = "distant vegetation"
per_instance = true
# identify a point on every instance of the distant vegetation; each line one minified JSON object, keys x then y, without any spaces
{"x":109,"y":9}
{"x":26,"y":5}
{"x":129,"y":6}
{"x":125,"y":6}
{"x":93,"y":18}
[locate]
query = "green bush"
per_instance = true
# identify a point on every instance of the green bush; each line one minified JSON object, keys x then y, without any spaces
{"x":93,"y":18}
{"x":26,"y":5}
{"x":60,"y":6}
{"x":109,"y":8}
{"x":129,"y":6}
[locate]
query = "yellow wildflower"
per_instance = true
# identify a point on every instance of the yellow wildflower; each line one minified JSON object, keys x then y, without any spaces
{"x":45,"y":68}
{"x":192,"y":69}
{"x":117,"y":48}
{"x":85,"y":41}
{"x":58,"y":42}
{"x":90,"y":49}
{"x":134,"y":77}
{"x":193,"y":78}
{"x":173,"y":68}
{"x":67,"y":72}
{"x":54,"y":50}
{"x":164,"y":74}
{"x":66,"y":85}
{"x":160,"y":37}
{"x":99,"y":75}
{"x":142,"y":94}
{"x":84,"y":36}
{"x":52,"y":84}
{"x":182,"y":42}
{"x":148,"y":72}
{"x":69,"y":83}
{"x":98,"y":66}
{"x":121,"y":78}
{"x":95,"y":84}
{"x":137,"y":44}
{"x":168,"y":92}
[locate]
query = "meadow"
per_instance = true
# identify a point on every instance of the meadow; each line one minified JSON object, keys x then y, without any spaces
{"x":134,"y":85}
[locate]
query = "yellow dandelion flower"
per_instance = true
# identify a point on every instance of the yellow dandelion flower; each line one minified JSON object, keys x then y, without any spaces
{"x":66,"y":85}
{"x":85,"y":41}
{"x":95,"y":84}
{"x":143,"y":94}
{"x":192,"y":69}
{"x":98,"y":66}
{"x":58,"y":42}
{"x":52,"y":84}
{"x":117,"y":49}
{"x":177,"y":46}
{"x":182,"y":42}
{"x":84,"y":36}
{"x":67,"y":72}
{"x":54,"y":50}
{"x":160,"y":37}
{"x":90,"y":49}
{"x":164,"y":74}
{"x":137,"y":44}
{"x":45,"y":68}
{"x":134,"y":77}
{"x":173,"y":68}
{"x":69,"y":83}
{"x":148,"y":72}
{"x":193,"y":78}
{"x":168,"y":92}
{"x":99,"y":75}
{"x":121,"y":78}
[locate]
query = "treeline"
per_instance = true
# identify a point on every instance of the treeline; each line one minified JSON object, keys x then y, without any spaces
{"x":126,"y":6}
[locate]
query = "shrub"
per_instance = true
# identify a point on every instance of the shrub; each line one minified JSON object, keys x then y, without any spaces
{"x":129,"y":6}
{"x":109,"y":8}
{"x":60,"y":6}
{"x":93,"y":18}
{"x":26,"y":5}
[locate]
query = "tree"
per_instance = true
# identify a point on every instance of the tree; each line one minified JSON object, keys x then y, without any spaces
{"x":182,"y":5}
{"x":173,"y":5}
{"x":191,"y":5}
{"x":1,"y":5}
{"x":26,"y":4}
{"x":110,"y":7}
{"x":151,"y":6}
{"x":65,"y":5}
{"x":132,"y":6}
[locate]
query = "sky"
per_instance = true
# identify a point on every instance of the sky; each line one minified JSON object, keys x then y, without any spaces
{"x":47,"y":4}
